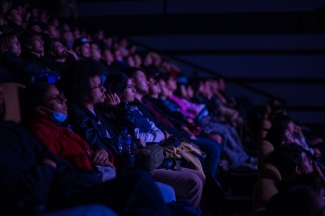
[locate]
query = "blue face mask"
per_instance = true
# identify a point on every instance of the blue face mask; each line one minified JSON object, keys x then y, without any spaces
{"x":57,"y":116}
{"x":60,"y":117}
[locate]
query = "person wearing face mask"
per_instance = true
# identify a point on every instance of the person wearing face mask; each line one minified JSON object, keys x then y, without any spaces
{"x":49,"y":127}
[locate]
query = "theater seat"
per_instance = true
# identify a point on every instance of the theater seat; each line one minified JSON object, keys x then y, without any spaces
{"x":264,"y":149}
{"x":264,"y":190}
{"x":269,"y":171}
{"x":11,"y":92}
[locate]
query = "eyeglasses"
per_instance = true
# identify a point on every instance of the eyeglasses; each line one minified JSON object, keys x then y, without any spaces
{"x":99,"y":86}
{"x":58,"y":98}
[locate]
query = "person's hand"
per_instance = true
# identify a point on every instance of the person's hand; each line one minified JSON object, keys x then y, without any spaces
{"x":167,"y":135}
{"x":100,"y":157}
{"x":189,"y":120}
{"x":72,"y":53}
{"x":49,"y":162}
{"x":317,"y":153}
{"x":143,"y":144}
{"x":112,"y":100}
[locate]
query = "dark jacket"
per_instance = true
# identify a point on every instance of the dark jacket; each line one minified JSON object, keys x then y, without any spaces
{"x":176,"y":118}
{"x":85,"y":123}
{"x":24,"y":176}
{"x":23,"y":70}
{"x":42,"y":62}
{"x":159,"y":120}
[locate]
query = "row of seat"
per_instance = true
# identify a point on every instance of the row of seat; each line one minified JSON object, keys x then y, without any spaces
{"x":268,"y":174}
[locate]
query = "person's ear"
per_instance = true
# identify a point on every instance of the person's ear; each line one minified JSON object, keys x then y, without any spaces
{"x":40,"y":110}
{"x":78,"y":50}
{"x":297,"y":170}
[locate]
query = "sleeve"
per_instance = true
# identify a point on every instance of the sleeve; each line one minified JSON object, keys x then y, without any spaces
{"x":45,"y":135}
{"x":86,"y":128}
{"x":155,"y":135}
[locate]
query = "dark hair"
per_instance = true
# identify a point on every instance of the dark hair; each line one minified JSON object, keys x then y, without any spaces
{"x":132,"y":70}
{"x":33,"y":95}
{"x":5,"y":39}
{"x":116,"y":83}
{"x":50,"y":47}
{"x":286,"y":158}
{"x":8,"y":12}
{"x":295,"y":202}
{"x":276,"y":134}
{"x":164,"y":76}
{"x":26,"y":38}
{"x":75,"y":81}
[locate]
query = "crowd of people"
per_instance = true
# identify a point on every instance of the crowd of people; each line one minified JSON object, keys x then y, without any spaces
{"x":82,"y":89}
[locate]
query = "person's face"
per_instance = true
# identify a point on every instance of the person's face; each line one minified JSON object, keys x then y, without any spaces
{"x":118,"y":55}
{"x":288,"y":137}
{"x":55,"y":101}
{"x":148,"y":60}
{"x":154,"y":87}
{"x":4,"y":7}
{"x":95,"y":52}
{"x":85,"y":50}
{"x":171,"y":84}
{"x":14,"y":46}
{"x":53,"y":33}
{"x":15,"y":16}
{"x":128,"y":93}
{"x":140,"y":82}
{"x":97,"y":94}
{"x":291,"y":126}
{"x":37,"y":44}
{"x":108,"y":56}
{"x":319,"y":205}
{"x":100,"y":35}
{"x":163,"y":87}
{"x":138,"y":60}
{"x":306,"y":166}
{"x":60,"y":50}
{"x":36,"y":28}
{"x":130,"y":61}
{"x":34,"y":12}
{"x":184,"y":91}
{"x":2,"y":104}
{"x":190,"y":92}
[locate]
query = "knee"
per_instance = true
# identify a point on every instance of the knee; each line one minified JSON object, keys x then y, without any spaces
{"x":216,"y":137}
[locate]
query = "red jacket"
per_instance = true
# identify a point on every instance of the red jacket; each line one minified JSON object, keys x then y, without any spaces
{"x":62,"y":142}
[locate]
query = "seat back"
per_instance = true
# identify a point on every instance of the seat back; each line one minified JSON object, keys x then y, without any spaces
{"x":269,"y":171}
{"x":264,"y":190}
{"x":11,"y":92}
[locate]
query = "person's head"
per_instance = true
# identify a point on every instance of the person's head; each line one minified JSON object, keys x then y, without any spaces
{"x":169,"y":80}
{"x":122,"y":85}
{"x":137,"y":60}
{"x":154,"y":88}
{"x":32,"y":42}
{"x":181,"y":89}
{"x":100,"y":35}
{"x":147,"y":61}
{"x":291,"y":159}
{"x":107,"y":56}
{"x":13,"y":15}
{"x":9,"y":43}
{"x":95,"y":52}
{"x":130,"y":61}
{"x":82,"y":84}
{"x":2,"y":105}
{"x":82,"y":47}
{"x":279,"y":135}
{"x":118,"y":55}
{"x":56,"y":50}
{"x":46,"y":101}
{"x":165,"y":92}
{"x":296,"y":202}
{"x":53,"y":32}
{"x":4,"y":7}
{"x":139,"y":79}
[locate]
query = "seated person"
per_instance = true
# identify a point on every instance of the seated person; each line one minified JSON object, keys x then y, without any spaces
{"x":49,"y":127}
{"x":23,"y":71}
{"x":210,"y":147}
{"x":90,"y":116}
{"x":291,"y":159}
{"x":296,"y":202}
{"x":34,"y":178}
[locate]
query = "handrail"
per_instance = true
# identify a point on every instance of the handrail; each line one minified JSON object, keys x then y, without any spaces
{"x":206,"y":70}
